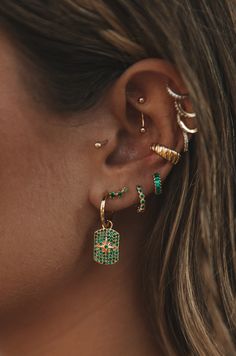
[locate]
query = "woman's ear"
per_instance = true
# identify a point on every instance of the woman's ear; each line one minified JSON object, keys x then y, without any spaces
{"x":137,"y":100}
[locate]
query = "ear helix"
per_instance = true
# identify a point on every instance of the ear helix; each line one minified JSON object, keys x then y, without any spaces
{"x":106,"y":249}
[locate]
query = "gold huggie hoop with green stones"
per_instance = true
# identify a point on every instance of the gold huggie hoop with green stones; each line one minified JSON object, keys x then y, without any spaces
{"x":157,"y":183}
{"x":106,"y":240}
{"x":142,"y":200}
{"x":118,"y":194}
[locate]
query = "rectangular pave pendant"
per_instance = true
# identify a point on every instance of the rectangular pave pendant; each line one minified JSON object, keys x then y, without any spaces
{"x":106,"y":246}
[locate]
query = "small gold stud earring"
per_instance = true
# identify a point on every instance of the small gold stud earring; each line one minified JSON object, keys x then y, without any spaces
{"x":141,"y":100}
{"x":100,"y":144}
{"x":143,"y":129}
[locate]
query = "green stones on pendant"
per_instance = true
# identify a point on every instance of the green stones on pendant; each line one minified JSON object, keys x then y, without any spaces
{"x":119,"y":194}
{"x":106,"y":246}
{"x":157,"y":183}
{"x":142,"y":200}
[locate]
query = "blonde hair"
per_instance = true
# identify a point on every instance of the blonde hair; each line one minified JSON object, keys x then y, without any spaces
{"x":189,"y":261}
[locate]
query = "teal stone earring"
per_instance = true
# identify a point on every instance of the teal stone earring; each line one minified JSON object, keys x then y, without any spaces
{"x":157,"y":183}
{"x":106,"y":240}
{"x":118,"y":194}
{"x":142,"y":200}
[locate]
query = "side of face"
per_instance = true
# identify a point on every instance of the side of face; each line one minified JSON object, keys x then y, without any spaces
{"x":44,"y":181}
{"x":52,"y":178}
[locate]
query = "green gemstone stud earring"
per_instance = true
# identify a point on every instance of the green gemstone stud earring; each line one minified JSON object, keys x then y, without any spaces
{"x":119,"y":194}
{"x":157,"y":183}
{"x":142,"y":200}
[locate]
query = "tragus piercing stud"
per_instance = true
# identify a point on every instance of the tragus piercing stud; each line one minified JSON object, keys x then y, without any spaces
{"x":141,"y":100}
{"x":100,"y":144}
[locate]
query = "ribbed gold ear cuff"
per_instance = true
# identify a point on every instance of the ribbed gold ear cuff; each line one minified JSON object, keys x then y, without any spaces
{"x":166,"y":153}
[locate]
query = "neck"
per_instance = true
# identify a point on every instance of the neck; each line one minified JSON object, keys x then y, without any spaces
{"x":100,"y":312}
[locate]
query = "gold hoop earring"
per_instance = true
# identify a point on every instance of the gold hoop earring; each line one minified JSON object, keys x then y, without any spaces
{"x":182,"y":113}
{"x":106,"y":240}
{"x":175,"y":95}
{"x":142,"y":199}
{"x":166,"y":153}
{"x":184,"y":127}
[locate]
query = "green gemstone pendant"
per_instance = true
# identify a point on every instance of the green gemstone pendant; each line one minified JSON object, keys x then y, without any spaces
{"x":106,"y":246}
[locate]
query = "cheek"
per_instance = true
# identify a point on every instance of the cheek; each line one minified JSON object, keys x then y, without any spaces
{"x":42,"y":208}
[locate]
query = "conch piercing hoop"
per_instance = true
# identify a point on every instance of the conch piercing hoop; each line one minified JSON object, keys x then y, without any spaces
{"x":106,"y":240}
{"x":166,"y":153}
{"x":143,"y":129}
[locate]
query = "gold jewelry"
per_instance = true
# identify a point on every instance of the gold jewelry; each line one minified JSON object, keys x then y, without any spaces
{"x":106,"y":240}
{"x":175,"y":95}
{"x":99,"y":144}
{"x":184,"y":127}
{"x":166,"y":153}
{"x":142,"y":200}
{"x":118,"y":194}
{"x":157,"y":183}
{"x":141,"y":100}
{"x":186,"y":141}
{"x":182,"y":113}
{"x":143,"y":129}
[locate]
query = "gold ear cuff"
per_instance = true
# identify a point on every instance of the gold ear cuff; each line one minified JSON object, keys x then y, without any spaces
{"x":166,"y":153}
